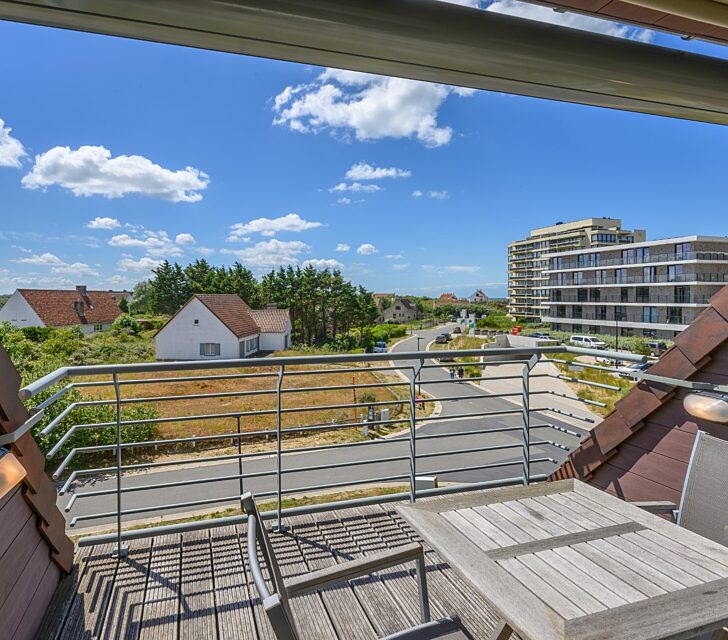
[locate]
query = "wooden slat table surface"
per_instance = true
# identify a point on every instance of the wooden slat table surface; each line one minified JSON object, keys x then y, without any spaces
{"x":565,"y":561}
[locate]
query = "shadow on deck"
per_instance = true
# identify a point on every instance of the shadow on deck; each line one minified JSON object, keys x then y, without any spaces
{"x":196,"y":585}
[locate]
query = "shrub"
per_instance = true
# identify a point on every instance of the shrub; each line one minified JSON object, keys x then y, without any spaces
{"x":126,"y":323}
{"x":37,"y":334}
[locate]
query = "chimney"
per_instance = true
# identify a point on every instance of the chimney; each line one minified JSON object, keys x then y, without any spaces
{"x":81,"y":289}
{"x":78,"y":306}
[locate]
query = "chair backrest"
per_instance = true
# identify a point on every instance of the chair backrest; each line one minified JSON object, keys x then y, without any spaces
{"x":275,"y":602}
{"x":704,"y":502}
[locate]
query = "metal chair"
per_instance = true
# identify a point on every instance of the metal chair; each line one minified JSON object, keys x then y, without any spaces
{"x":276,"y":600}
{"x":704,"y":503}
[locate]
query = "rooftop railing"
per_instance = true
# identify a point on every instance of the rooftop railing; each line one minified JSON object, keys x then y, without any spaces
{"x":278,"y":444}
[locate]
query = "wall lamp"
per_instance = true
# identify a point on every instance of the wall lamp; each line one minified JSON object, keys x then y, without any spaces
{"x":707,"y":405}
{"x":11,"y":471}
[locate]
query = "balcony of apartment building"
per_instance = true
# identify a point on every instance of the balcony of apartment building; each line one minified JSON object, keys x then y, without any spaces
{"x":684,"y":295}
{"x":642,"y":275}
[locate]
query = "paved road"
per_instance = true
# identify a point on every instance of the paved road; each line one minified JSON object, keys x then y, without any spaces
{"x":463,"y":448}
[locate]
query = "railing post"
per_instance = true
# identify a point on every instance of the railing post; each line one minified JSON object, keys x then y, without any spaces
{"x":279,"y":476}
{"x":413,"y":431}
{"x":240,"y":465}
{"x":121,"y":550}
{"x":526,"y":412}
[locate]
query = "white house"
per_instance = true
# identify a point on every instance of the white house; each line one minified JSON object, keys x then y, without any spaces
{"x":221,"y":326}
{"x":478,"y":296}
{"x":89,"y":310}
{"x":400,"y":310}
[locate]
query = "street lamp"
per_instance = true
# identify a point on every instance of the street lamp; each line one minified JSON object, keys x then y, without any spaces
{"x":11,"y":471}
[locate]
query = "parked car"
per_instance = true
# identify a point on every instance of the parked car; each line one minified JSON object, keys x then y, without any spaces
{"x":539,"y":334}
{"x":442,"y":338}
{"x":656,"y":347}
{"x":457,"y":330}
{"x":380,"y":347}
{"x":448,"y":335}
{"x":636,"y":367}
{"x":588,"y":342}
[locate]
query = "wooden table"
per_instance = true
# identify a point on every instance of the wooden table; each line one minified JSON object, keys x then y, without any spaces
{"x":565,"y":561}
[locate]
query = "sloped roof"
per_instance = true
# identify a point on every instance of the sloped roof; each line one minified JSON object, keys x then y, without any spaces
{"x":56,"y":307}
{"x":231,"y":311}
{"x":641,"y":450}
{"x":272,"y":320}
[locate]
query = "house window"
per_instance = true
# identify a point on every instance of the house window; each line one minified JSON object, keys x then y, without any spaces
{"x":209,"y":348}
{"x":98,"y":327}
{"x":195,"y":321}
{"x":251,"y":345}
{"x":649,"y":274}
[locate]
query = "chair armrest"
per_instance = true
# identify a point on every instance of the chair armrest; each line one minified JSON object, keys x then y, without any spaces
{"x":657,"y":507}
{"x":354,"y":569}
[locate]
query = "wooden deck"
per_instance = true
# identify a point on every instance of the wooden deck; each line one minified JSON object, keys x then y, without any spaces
{"x":196,"y":585}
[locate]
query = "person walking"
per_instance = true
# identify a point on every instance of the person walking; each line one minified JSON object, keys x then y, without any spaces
{"x":461,"y":373}
{"x":452,"y":373}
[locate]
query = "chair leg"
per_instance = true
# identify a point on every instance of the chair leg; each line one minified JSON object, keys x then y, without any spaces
{"x":424,"y":596}
{"x":502,"y":631}
{"x":721,"y":634}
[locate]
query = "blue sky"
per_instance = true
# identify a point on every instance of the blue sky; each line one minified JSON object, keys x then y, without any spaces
{"x":116,"y":154}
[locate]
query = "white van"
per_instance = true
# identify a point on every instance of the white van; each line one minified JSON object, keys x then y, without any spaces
{"x":588,"y":342}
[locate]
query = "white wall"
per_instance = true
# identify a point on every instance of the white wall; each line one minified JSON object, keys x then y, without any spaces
{"x":180,"y":338}
{"x":89,"y":328}
{"x":19,"y":313}
{"x":275,"y":341}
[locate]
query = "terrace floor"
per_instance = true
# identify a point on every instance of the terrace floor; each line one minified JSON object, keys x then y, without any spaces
{"x":196,"y":585}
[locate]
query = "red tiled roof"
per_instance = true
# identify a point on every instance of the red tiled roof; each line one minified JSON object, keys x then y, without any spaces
{"x":57,"y":307}
{"x":271,"y":320}
{"x":231,"y":311}
{"x":641,"y":450}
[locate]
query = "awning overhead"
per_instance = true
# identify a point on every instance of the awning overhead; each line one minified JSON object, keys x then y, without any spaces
{"x":420,"y":39}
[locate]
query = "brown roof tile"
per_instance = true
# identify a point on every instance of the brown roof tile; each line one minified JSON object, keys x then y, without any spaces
{"x":57,"y":307}
{"x":271,"y":320}
{"x":231,"y":311}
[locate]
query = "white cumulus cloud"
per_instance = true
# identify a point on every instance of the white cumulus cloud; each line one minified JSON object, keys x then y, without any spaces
{"x":269,"y":227}
{"x":57,"y":265}
{"x":321,"y":263}
{"x":417,"y":194}
{"x":366,"y":249}
{"x":270,"y":253}
{"x":143,"y":265}
{"x":155,"y":243}
{"x":45,"y":259}
{"x":569,"y":19}
{"x":12,"y":150}
{"x":342,"y":247}
{"x":343,"y":201}
{"x":103,"y":223}
{"x":462,"y":268}
{"x":91,"y":170}
{"x":364,"y":171}
{"x":370,"y":107}
{"x":355,"y":186}
{"x":437,"y":195}
{"x":185,"y":239}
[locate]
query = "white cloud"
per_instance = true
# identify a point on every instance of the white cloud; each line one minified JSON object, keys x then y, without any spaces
{"x":343,"y":201}
{"x":155,"y":243}
{"x":394,"y":256}
{"x":355,"y":186}
{"x":12,"y":150}
{"x":142,"y":265}
{"x":569,"y":19}
{"x":76,"y":268}
{"x":103,"y":223}
{"x":45,"y":259}
{"x":417,"y":194}
{"x":91,"y":170}
{"x":366,"y":249}
{"x":457,"y":268}
{"x":342,"y":247}
{"x":270,"y":253}
{"x":205,"y":251}
{"x":21,"y":249}
{"x":437,"y":195}
{"x":321,"y":263}
{"x":371,"y":107}
{"x":185,"y":239}
{"x":399,"y":266}
{"x":269,"y":227}
{"x":364,"y":171}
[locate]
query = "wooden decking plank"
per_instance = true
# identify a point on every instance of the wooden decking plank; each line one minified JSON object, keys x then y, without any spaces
{"x":86,"y":614}
{"x":519,"y":534}
{"x":602,"y":519}
{"x":552,"y":516}
{"x":537,"y":518}
{"x":536,"y":532}
{"x":469,"y":530}
{"x":346,"y":612}
{"x":197,"y":596}
{"x":501,"y":538}
{"x":574,"y":515}
{"x":233,"y":602}
{"x":686,"y":551}
{"x":124,"y":613}
{"x":311,"y":616}
{"x":160,"y":615}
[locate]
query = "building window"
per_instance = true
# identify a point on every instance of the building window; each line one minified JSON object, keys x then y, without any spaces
{"x":561,"y":311}
{"x":209,"y":348}
{"x":556,"y":295}
{"x":674,"y":315}
{"x":600,"y":276}
{"x":195,"y":321}
{"x":606,"y":237}
{"x":649,"y":314}
{"x":582,"y":295}
{"x":620,"y":314}
{"x":681,"y":295}
{"x":601,"y":312}
{"x":675,"y":273}
{"x":98,"y":327}
{"x":681,"y":250}
{"x":577,"y":312}
{"x":578,"y":277}
{"x":626,"y":331}
{"x":624,"y":294}
{"x":649,"y":333}
{"x":251,"y":345}
{"x":649,"y":274}
{"x":620,"y":276}
{"x":642,"y":294}
{"x":595,"y":295}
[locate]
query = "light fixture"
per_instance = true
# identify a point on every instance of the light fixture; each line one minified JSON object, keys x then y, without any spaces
{"x":11,"y":471}
{"x":707,"y":405}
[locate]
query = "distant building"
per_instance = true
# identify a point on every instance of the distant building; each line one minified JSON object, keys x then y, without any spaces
{"x":650,"y":289}
{"x":90,"y":310}
{"x":222,"y":326}
{"x":401,"y":310}
{"x":121,"y":295}
{"x":478,"y":296}
{"x":527,"y":296}
{"x":448,"y":297}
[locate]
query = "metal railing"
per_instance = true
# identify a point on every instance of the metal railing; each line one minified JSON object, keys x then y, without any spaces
{"x":500,"y":431}
{"x":683,"y":256}
{"x":660,"y":278}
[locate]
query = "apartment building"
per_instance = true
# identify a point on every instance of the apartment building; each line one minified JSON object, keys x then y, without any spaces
{"x":527,"y":296}
{"x":651,"y":289}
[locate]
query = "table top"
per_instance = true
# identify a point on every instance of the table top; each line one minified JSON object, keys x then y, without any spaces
{"x":565,"y":561}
